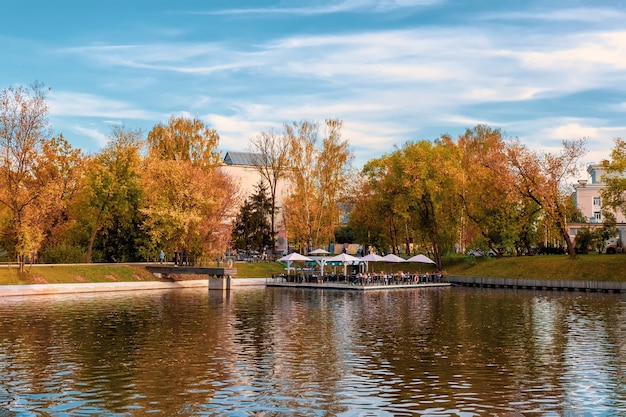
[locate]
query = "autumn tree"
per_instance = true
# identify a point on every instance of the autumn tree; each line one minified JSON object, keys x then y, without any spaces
{"x":386,"y":213}
{"x":24,"y":130}
{"x":319,"y":180}
{"x":497,"y":215}
{"x":111,"y":191}
{"x":272,"y":166}
{"x":543,"y":178}
{"x":614,"y":193}
{"x":60,"y":168}
{"x":189,"y":204}
{"x":431,"y":173}
{"x":184,"y":139}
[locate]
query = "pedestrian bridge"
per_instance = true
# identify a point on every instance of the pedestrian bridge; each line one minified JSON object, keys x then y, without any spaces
{"x":219,"y":278}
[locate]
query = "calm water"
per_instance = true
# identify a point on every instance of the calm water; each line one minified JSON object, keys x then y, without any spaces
{"x":274,"y":352}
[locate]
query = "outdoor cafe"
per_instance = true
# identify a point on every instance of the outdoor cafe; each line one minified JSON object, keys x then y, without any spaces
{"x":319,"y":268}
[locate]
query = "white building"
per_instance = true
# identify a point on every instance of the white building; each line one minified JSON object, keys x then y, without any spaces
{"x":241,"y":166}
{"x":589,"y":201}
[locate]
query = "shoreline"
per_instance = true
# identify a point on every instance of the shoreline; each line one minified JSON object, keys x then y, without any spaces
{"x":51,"y":289}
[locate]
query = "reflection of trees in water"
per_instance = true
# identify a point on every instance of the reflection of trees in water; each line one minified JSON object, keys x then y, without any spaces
{"x":186,"y":351}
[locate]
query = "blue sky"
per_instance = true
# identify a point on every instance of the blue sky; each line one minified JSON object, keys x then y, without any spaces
{"x":392,"y":70}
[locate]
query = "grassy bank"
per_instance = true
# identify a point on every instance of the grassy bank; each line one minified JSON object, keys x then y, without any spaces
{"x":592,"y":267}
{"x":64,"y":274}
{"x":584,"y":267}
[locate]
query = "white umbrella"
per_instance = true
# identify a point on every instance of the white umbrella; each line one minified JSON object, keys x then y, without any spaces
{"x":372,"y":257}
{"x":319,"y":252}
{"x":345,"y":259}
{"x":393,"y":258}
{"x":294,"y":256}
{"x":421,"y":259}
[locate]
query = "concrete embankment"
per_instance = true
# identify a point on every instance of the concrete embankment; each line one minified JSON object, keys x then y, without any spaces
{"x":541,"y":284}
{"x":46,"y":289}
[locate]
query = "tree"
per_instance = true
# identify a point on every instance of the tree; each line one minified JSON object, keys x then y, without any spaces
{"x":542,"y":178}
{"x":319,"y":182}
{"x":183,"y":139}
{"x":272,"y":166}
{"x":252,"y":229}
{"x":431,"y":173}
{"x":614,"y":193}
{"x":188,"y":203}
{"x":495,"y":210}
{"x":23,"y":131}
{"x":111,"y":191}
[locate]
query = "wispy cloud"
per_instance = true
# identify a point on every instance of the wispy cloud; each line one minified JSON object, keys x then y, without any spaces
{"x":64,"y":103}
{"x":323,"y":8}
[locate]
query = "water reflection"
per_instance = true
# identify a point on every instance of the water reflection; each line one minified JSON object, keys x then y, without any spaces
{"x":452,"y":351}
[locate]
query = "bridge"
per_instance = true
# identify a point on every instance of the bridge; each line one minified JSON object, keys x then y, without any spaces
{"x":219,"y":278}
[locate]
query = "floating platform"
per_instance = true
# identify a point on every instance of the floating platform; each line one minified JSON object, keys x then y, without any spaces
{"x":353,"y":287}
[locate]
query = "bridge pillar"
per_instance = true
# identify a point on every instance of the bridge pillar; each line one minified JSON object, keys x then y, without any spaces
{"x":219,"y":283}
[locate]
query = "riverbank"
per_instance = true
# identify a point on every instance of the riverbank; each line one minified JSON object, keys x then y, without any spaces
{"x":51,"y":289}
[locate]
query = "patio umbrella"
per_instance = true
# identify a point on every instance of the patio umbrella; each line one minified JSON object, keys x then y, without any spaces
{"x":421,"y":259}
{"x":320,"y":261}
{"x":319,"y":252}
{"x":372,"y":257}
{"x":394,"y":259}
{"x":345,"y":259}
{"x":294,"y":256}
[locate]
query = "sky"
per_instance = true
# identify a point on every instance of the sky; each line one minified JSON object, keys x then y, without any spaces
{"x":392,"y":70}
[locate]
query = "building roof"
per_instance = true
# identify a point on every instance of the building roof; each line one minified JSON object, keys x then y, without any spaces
{"x":242,"y":158}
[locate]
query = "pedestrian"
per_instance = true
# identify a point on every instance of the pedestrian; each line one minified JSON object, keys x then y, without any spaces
{"x":161,"y":256}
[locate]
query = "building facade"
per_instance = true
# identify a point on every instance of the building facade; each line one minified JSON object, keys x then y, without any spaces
{"x":588,"y":199}
{"x":242,"y":168}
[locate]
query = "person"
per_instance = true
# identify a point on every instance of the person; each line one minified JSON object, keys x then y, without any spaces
{"x":161,"y":256}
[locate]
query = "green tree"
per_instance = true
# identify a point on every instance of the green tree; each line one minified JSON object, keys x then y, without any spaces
{"x":614,"y":179}
{"x":111,"y":193}
{"x":252,"y":229}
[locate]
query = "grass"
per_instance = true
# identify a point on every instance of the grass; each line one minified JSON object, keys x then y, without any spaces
{"x":71,"y":274}
{"x":585,"y":267}
{"x":592,"y":267}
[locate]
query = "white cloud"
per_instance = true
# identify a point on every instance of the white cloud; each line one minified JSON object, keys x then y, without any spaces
{"x":323,"y":8}
{"x":99,"y":137}
{"x":64,"y":103}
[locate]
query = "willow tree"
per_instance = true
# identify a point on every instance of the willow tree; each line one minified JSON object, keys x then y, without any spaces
{"x":543,"y":178}
{"x":272,"y":166}
{"x":188,"y":202}
{"x":319,"y":180}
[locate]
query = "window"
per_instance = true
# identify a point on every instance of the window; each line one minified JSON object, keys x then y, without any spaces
{"x":597,"y":215}
{"x":596,"y":201}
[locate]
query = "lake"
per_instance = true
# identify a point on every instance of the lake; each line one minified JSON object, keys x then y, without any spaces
{"x":305,"y":352}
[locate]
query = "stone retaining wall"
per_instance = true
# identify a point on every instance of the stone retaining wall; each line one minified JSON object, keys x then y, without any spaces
{"x":603,"y":286}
